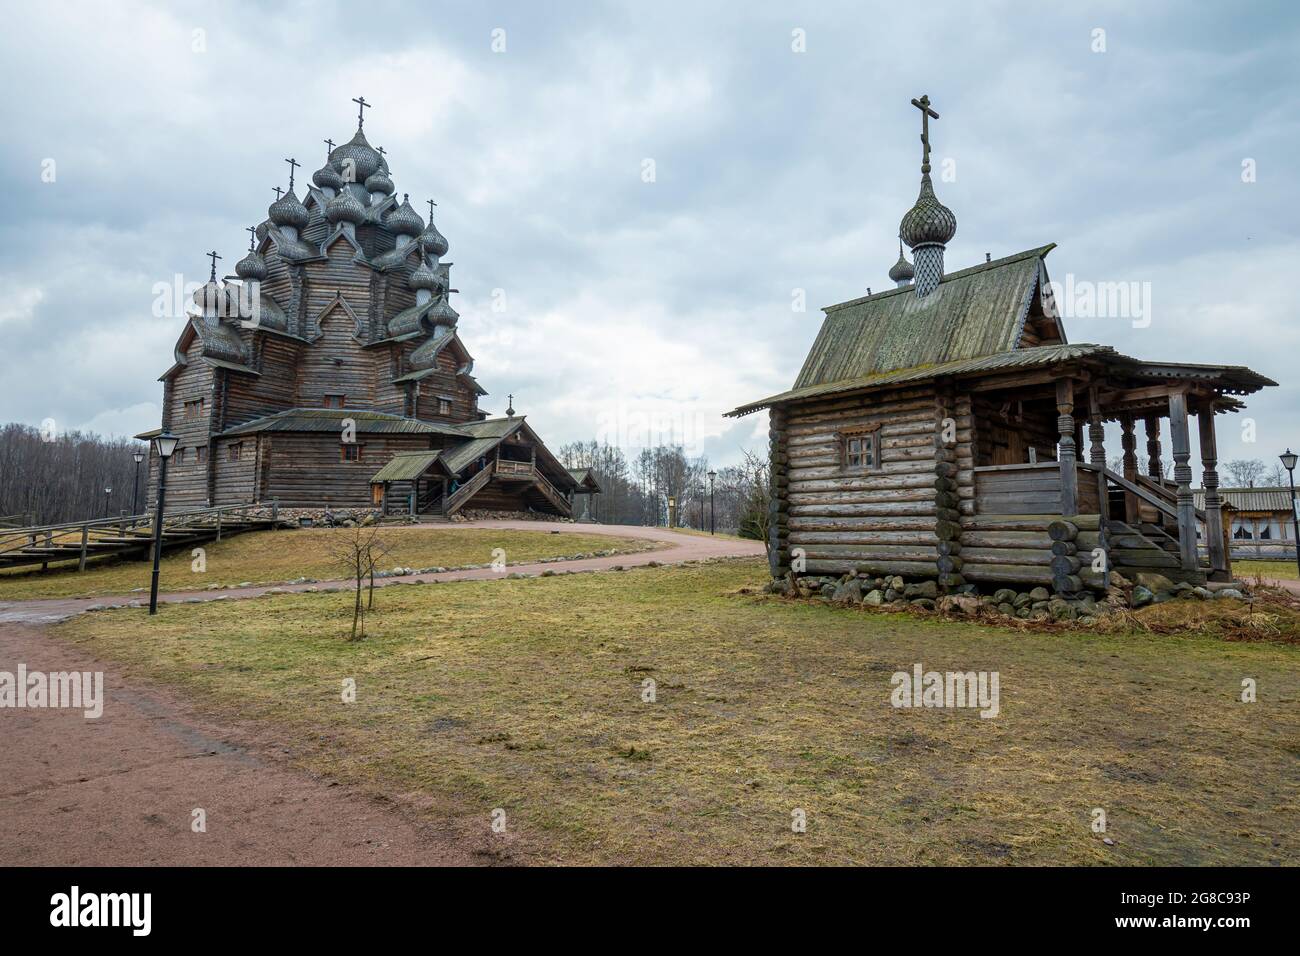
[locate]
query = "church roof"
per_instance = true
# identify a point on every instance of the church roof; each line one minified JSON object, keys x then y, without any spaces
{"x":975,"y":312}
{"x":406,"y":466}
{"x":331,"y":420}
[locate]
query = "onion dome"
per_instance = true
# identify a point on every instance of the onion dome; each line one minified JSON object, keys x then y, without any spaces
{"x":443,"y":313}
{"x":288,"y":211}
{"x":425,"y":278}
{"x":344,"y":207}
{"x":356,"y":159}
{"x":433,"y":241}
{"x":928,"y":221}
{"x":901,"y":271}
{"x":327,"y":177}
{"x":379,"y":182}
{"x":252,"y":266}
{"x":405,"y":221}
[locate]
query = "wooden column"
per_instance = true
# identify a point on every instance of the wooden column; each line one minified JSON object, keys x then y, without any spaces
{"x":1220,"y":561}
{"x":1182,"y":451}
{"x":1154,"y":466}
{"x":1128,"y":441}
{"x":778,"y":532}
{"x":947,"y":500}
{"x":1068,"y":454}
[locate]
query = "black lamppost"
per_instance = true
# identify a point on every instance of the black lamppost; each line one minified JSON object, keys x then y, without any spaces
{"x":712,"y":514}
{"x":107,"y":491}
{"x":1288,"y":462}
{"x":135,"y":486}
{"x":165,"y":443}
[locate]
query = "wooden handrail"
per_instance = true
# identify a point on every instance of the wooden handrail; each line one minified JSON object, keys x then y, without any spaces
{"x":1166,"y":503}
{"x":13,"y":539}
{"x":466,"y":490}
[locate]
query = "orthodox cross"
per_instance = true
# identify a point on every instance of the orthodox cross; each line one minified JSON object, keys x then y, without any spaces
{"x":214,"y":257}
{"x":381,"y":151}
{"x":329,"y":147}
{"x":293,"y":165}
{"x":923,"y":104}
{"x":252,"y":235}
{"x":431,"y":205}
{"x":361,"y":110}
{"x":278,"y":190}
{"x":510,"y":406}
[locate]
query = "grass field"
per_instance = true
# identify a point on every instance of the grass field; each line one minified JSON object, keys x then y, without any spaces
{"x":264,"y":557}
{"x":527,"y":695}
{"x":1268,"y":570}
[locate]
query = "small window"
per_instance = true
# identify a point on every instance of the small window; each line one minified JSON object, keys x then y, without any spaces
{"x":233,"y":451}
{"x":334,"y":400}
{"x":179,"y":456}
{"x":194,"y":409}
{"x":444,"y":406}
{"x":200,"y":454}
{"x":860,"y":451}
{"x":350,"y":452}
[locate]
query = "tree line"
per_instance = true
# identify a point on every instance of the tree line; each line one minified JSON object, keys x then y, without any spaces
{"x":51,"y":478}
{"x":662,"y":486}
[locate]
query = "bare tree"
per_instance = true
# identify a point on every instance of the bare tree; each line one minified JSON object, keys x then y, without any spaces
{"x":357,"y":551}
{"x":48,"y":476}
{"x":1245,"y":472}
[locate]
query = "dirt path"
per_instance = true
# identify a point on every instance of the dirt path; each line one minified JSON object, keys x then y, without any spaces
{"x":680,"y":547}
{"x":121,"y":789}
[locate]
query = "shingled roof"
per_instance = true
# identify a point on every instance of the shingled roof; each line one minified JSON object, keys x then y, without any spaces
{"x":975,"y":312}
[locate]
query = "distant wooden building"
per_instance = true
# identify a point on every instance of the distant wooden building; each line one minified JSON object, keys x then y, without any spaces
{"x":329,"y":372}
{"x":937,"y":430}
{"x":1260,"y":523}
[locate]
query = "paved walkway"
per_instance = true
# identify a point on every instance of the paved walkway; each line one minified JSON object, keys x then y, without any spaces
{"x":679,"y":547}
{"x":121,"y":790}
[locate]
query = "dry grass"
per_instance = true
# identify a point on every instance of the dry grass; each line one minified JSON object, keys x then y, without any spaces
{"x":1265,"y":570}
{"x":526,"y":695}
{"x":264,"y":557}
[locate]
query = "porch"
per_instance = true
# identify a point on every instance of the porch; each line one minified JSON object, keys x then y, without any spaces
{"x":1035,"y":503}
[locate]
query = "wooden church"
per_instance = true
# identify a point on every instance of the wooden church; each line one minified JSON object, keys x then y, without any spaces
{"x":947,"y":429}
{"x":328,"y":372}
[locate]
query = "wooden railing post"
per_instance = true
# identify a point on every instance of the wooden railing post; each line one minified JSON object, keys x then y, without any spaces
{"x":1128,"y":441}
{"x":85,"y":540}
{"x":1182,"y":452}
{"x":1220,"y":560}
{"x":1068,"y":452}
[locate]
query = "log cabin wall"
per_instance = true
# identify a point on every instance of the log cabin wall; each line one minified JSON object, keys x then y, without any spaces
{"x":882,"y":520}
{"x":235,"y":480}
{"x":253,"y":396}
{"x":187,"y":476}
{"x":444,"y":383}
{"x":1004,"y":435}
{"x":305,"y":469}
{"x":336,"y":364}
{"x":778,"y":532}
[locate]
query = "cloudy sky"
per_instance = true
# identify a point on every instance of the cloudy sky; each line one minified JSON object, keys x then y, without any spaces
{"x":784,"y":151}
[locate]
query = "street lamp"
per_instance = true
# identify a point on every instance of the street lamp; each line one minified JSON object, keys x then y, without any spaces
{"x":1288,"y":462}
{"x":135,"y":485}
{"x":107,"y":492}
{"x":165,"y":444}
{"x":712,"y":515}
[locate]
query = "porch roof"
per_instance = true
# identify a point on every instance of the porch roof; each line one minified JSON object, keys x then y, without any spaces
{"x":405,"y":466}
{"x":1229,"y":378}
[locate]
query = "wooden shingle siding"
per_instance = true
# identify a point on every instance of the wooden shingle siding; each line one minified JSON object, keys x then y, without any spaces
{"x":187,"y":484}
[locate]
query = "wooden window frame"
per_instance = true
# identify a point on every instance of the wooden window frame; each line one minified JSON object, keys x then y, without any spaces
{"x":234,"y":451}
{"x":341,"y":396}
{"x":860,"y":450}
{"x":343,"y":452}
{"x":193,"y":409}
{"x":444,"y":400}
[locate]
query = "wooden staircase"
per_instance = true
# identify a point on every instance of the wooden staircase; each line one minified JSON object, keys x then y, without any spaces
{"x":456,"y":501}
{"x":1147,"y":547}
{"x":127,"y":536}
